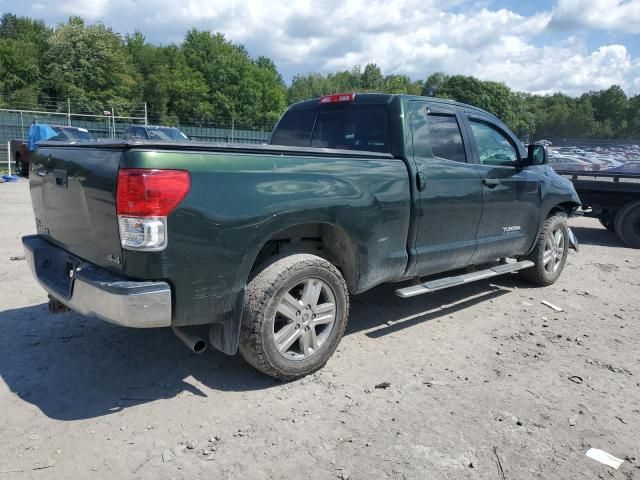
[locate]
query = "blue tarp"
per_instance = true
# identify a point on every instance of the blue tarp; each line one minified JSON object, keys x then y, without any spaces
{"x":39,"y":132}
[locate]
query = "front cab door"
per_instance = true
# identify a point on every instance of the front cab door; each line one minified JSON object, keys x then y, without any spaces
{"x":511,"y":193}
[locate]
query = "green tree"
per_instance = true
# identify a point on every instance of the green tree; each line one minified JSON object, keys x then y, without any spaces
{"x":248,"y":91}
{"x":22,"y":44}
{"x":433,"y":83}
{"x":90,"y":65}
{"x":401,"y":84}
{"x":372,"y":79}
{"x":633,"y":118}
{"x":610,"y":109}
{"x":494,"y":97}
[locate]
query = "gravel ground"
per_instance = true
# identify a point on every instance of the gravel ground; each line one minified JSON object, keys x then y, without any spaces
{"x":484,"y":382}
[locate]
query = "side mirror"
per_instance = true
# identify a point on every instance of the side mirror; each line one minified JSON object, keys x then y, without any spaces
{"x":536,"y":154}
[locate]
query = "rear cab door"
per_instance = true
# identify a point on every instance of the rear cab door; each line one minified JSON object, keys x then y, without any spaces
{"x":510,"y":192}
{"x":448,"y":204}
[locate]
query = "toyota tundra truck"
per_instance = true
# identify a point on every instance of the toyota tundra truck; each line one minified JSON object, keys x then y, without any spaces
{"x":257,"y":248}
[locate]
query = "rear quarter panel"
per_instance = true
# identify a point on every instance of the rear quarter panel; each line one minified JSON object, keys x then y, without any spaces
{"x":237,"y":202}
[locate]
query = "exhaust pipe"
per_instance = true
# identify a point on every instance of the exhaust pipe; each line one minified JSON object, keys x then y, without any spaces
{"x":56,"y":306}
{"x":193,"y":342}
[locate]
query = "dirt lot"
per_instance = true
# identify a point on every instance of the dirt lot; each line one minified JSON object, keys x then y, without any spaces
{"x":476,"y":374}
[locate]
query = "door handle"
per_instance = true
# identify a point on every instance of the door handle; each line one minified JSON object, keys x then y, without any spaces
{"x":491,"y":182}
{"x":421,"y":181}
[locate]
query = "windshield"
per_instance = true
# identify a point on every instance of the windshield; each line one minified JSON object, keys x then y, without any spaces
{"x":167,"y":133}
{"x":350,"y":127}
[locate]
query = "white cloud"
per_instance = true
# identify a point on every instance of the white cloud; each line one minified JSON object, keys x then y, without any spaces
{"x":621,"y":15}
{"x":414,"y":37}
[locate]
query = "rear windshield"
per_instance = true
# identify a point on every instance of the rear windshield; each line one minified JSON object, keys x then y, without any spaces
{"x":167,"y":134}
{"x":352,"y":127}
{"x":72,"y":134}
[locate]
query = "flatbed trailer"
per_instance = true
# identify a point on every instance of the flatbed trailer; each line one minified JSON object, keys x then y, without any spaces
{"x":613,"y":198}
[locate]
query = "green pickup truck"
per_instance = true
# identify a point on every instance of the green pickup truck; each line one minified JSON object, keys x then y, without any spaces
{"x":258,"y":247}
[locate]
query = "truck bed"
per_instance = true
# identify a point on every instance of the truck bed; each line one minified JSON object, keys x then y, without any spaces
{"x":603,"y":181}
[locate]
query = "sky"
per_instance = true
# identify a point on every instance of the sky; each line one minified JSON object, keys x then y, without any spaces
{"x":539,"y":46}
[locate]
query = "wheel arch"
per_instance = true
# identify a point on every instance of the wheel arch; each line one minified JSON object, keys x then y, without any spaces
{"x":324,"y":239}
{"x":567,"y":207}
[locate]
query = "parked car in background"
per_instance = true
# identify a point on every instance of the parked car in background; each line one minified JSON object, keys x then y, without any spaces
{"x":629,"y":167}
{"x":154,"y":132}
{"x":21,"y":151}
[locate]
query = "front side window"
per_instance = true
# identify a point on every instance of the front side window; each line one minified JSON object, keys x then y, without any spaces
{"x":494,"y":148}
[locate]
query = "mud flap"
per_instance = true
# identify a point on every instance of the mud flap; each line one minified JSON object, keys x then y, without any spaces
{"x":573,"y":241}
{"x":225,"y":335}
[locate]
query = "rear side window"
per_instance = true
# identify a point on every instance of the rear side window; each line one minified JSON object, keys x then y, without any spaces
{"x":353,"y":127}
{"x":446,"y":139}
{"x":437,"y":135}
{"x":294,"y":129}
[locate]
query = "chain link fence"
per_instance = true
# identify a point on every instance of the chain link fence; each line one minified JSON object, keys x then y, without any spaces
{"x":15,"y":125}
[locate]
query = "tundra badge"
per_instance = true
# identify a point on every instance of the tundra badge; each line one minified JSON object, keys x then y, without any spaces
{"x":511,"y":229}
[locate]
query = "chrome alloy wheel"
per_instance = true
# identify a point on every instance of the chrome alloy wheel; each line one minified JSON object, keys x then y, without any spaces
{"x":554,"y":250}
{"x":304,"y":319}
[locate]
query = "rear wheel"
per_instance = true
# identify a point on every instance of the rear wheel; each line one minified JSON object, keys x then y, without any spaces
{"x":627,"y":224}
{"x":294,"y":316}
{"x":550,"y":252}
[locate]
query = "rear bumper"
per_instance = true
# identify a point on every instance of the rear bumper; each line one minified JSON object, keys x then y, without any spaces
{"x":95,"y":291}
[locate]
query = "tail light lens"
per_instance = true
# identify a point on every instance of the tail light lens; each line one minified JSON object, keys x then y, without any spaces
{"x":144,"y":200}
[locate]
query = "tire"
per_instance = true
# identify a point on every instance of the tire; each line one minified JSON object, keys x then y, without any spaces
{"x":279,"y":330}
{"x":608,"y":222}
{"x":550,"y":252}
{"x":20,"y":167}
{"x":627,"y":224}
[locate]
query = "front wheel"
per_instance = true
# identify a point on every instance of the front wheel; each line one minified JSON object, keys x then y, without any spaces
{"x":550,"y":252}
{"x":294,"y":316}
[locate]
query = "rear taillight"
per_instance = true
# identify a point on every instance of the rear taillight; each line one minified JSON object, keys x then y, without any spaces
{"x":145,"y":198}
{"x":338,"y":97}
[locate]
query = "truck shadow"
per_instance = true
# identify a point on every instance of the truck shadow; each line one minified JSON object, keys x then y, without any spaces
{"x":406,"y":313}
{"x":72,"y":367}
{"x":598,"y":236}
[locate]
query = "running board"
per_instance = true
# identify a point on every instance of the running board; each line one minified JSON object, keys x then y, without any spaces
{"x":447,"y":282}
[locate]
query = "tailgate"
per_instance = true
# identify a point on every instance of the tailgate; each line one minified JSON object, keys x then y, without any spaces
{"x":73,"y":191}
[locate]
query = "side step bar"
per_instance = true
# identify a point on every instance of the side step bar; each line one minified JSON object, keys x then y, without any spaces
{"x":442,"y":283}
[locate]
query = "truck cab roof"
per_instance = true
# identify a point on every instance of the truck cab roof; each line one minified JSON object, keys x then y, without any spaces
{"x":388,"y":99}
